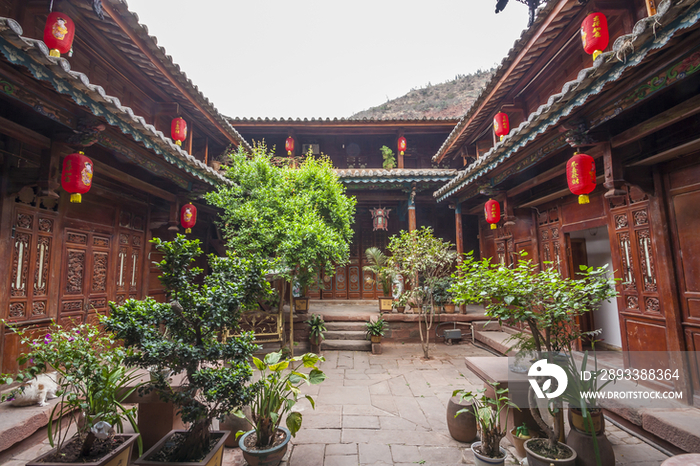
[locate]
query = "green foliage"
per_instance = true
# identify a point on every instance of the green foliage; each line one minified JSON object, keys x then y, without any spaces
{"x":378,"y":264}
{"x":439,"y":288}
{"x":300,"y":216}
{"x":375,"y":328}
{"x":185,"y":335}
{"x":316,"y":327}
{"x":487,"y":412}
{"x":421,"y":258}
{"x":90,"y":377}
{"x":277,"y":391}
{"x":388,"y":157}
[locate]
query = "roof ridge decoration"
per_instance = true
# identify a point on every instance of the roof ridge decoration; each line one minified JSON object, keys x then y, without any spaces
{"x":339,"y":119}
{"x":166,"y":60}
{"x":34,"y":55}
{"x":628,"y":51}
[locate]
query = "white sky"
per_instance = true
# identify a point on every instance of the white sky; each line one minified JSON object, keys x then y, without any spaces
{"x":314,"y":58}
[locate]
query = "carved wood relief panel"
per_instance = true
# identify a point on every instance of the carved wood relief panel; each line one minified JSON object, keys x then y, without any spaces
{"x":28,"y":277}
{"x":549,"y":234}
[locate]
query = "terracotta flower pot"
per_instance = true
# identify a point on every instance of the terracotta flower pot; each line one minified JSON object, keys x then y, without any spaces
{"x":214,"y":458}
{"x":118,"y":457}
{"x":582,"y":444}
{"x":481,"y":460}
{"x":449,"y":308}
{"x":519,"y":442}
{"x":463,"y":427}
{"x":534,"y":459}
{"x":270,"y":457}
{"x":576,"y":420}
{"x":376,"y":338}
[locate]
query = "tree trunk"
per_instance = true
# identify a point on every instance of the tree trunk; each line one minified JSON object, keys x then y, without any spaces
{"x":196,"y":444}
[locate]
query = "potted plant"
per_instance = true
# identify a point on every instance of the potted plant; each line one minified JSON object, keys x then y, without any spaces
{"x":402,"y":301}
{"x":375,"y":329}
{"x":378,"y":264}
{"x":442,"y":297}
{"x":92,"y":384}
{"x":274,"y":395}
{"x":186,"y":334}
{"x":316,"y":328}
{"x":389,"y":162}
{"x":520,"y":435}
{"x":548,"y":305}
{"x":487,"y":411}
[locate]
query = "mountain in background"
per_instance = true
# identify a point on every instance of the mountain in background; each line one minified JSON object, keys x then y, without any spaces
{"x":451,"y":99}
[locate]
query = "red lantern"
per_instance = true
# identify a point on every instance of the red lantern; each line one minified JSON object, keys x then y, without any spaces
{"x":188,"y":217}
{"x":492,"y":210}
{"x":594,"y":34}
{"x":402,"y":145}
{"x":178,"y":130}
{"x":289,"y":145}
{"x":58,"y":34}
{"x":380,"y":219}
{"x":580,"y":173}
{"x":76,"y":177}
{"x":501,"y":125}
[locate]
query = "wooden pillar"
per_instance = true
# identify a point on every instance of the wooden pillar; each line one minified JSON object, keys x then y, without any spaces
{"x":190,"y":138}
{"x":400,"y":160}
{"x":458,"y":229}
{"x":412,"y":210}
{"x":206,"y":151}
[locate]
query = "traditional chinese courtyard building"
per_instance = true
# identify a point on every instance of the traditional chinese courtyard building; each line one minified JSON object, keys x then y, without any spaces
{"x":114,"y":100}
{"x":635,"y":111}
{"x":403,"y":193}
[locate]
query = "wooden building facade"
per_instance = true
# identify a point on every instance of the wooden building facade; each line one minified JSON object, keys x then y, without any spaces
{"x":635,"y":111}
{"x":354,"y":148}
{"x":114,"y":100}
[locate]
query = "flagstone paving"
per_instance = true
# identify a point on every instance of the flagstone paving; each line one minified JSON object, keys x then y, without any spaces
{"x":389,"y":410}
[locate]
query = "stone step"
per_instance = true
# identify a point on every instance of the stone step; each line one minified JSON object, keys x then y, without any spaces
{"x":345,"y":335}
{"x":502,"y":342}
{"x":346,"y":326}
{"x":346,"y":345}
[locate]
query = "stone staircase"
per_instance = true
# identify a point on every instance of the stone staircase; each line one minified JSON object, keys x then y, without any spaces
{"x":346,"y":336}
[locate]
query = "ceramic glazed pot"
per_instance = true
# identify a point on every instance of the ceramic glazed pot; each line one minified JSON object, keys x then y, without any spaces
{"x":481,"y":460}
{"x":233,"y":424}
{"x":214,"y":458}
{"x":117,"y":457}
{"x":385,"y":304}
{"x":533,"y":459}
{"x":583,"y":446}
{"x":576,"y":420}
{"x":270,"y":457}
{"x":463,"y":427}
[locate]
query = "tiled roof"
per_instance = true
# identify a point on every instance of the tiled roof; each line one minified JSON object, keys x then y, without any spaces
{"x":125,"y":45}
{"x":340,"y":120}
{"x":380,"y":175}
{"x":34,"y":55}
{"x":628,"y":51}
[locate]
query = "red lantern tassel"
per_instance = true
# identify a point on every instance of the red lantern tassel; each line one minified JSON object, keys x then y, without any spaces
{"x":583,"y":199}
{"x":493,"y":226}
{"x":76,"y":198}
{"x":188,"y":230}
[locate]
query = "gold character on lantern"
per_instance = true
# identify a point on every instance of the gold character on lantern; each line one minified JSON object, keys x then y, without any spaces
{"x":86,"y":174}
{"x":59,"y":29}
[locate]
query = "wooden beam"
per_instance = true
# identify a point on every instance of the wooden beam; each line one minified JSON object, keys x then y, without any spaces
{"x":190,"y":138}
{"x":670,"y":154}
{"x":554,"y":195}
{"x":111,"y":172}
{"x":536,"y":180}
{"x":664,"y":119}
{"x":25,"y":135}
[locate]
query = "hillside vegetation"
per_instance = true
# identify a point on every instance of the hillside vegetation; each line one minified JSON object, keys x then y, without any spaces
{"x":447,"y":100}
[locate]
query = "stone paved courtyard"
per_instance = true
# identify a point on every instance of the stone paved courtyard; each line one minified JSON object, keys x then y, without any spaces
{"x":389,"y":409}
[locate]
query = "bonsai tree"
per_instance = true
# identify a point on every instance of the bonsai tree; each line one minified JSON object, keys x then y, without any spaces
{"x":186,"y":334}
{"x":487,"y":412}
{"x":421,"y":257}
{"x":300,"y":216}
{"x":378,"y":264}
{"x":92,"y":383}
{"x":388,"y":157}
{"x":544,"y":301}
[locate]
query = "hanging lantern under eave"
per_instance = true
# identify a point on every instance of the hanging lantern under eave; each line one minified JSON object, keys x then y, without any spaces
{"x":492,"y":211}
{"x":380,"y":219}
{"x":76,"y":176}
{"x":59,"y":33}
{"x":289,"y":145}
{"x":594,"y":34}
{"x":402,"y":145}
{"x":501,"y":125}
{"x":580,"y":174}
{"x":178,"y":130}
{"x":188,"y":217}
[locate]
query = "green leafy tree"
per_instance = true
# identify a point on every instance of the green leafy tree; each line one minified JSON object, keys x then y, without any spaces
{"x":185,"y":335}
{"x":421,"y":258}
{"x":378,"y":264}
{"x":388,"y":157}
{"x":300,"y":216}
{"x":545,"y":302}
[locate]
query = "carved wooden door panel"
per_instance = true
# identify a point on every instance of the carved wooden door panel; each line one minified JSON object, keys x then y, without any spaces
{"x":128,"y":266}
{"x":85,"y":274}
{"x":32,"y":250}
{"x":551,"y":241}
